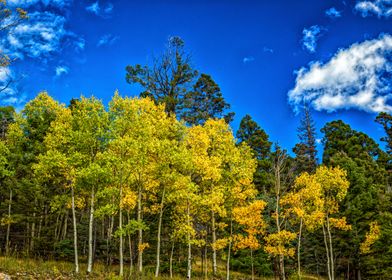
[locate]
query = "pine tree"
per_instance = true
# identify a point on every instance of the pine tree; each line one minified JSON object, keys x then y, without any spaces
{"x":305,"y":150}
{"x":204,"y":102}
{"x":6,"y":117}
{"x":367,"y":197}
{"x":256,"y":138}
{"x":168,"y":79}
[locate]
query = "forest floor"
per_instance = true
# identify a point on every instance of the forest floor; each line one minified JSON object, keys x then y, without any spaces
{"x":29,"y":269}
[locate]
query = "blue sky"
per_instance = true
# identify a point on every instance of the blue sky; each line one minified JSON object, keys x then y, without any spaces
{"x":267,"y":56}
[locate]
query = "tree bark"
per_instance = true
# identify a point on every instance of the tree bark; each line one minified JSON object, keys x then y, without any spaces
{"x":171,"y":260}
{"x":189,"y":268}
{"x":278,"y":165}
{"x":251,"y":260}
{"x":331,"y":250}
{"x":121,"y":234}
{"x":108,"y":239}
{"x":75,"y":232}
{"x":159,"y":234}
{"x":229,"y":251}
{"x":299,"y":250}
{"x":140,"y":239}
{"x":65,"y":226}
{"x":32,"y":233}
{"x":90,"y":235}
{"x":130,"y":249}
{"x":327,"y":251}
{"x":214,"y":264}
{"x":206,"y":261}
{"x":7,"y":239}
{"x":56,"y":227}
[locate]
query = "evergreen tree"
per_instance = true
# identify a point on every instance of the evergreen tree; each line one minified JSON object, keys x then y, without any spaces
{"x":205,"y":101}
{"x":257,"y":139}
{"x":6,"y":117}
{"x":385,"y":120}
{"x":305,"y":150}
{"x":366,"y":200}
{"x":168,"y":79}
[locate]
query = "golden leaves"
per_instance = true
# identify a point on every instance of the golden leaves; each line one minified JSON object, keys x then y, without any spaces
{"x":220,"y":244}
{"x":143,"y":246}
{"x":250,"y":217}
{"x":129,"y":199}
{"x":316,"y":196}
{"x":340,"y":223}
{"x":371,"y":237}
{"x":276,"y":243}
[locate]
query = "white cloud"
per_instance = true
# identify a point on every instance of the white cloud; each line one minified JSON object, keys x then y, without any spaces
{"x":380,"y":8}
{"x":108,"y":9}
{"x":5,"y":75}
{"x":268,"y":50}
{"x":80,"y":44}
{"x":102,"y":11}
{"x":29,"y":3}
{"x":248,"y":59}
{"x":310,"y":37}
{"x":61,"y":70}
{"x":333,"y":13}
{"x":358,"y":77}
{"x":40,"y":36}
{"x":107,"y":39}
{"x":94,"y":8}
{"x":9,"y":94}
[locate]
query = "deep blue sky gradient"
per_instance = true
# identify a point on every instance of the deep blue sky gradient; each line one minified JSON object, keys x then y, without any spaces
{"x":219,"y":35}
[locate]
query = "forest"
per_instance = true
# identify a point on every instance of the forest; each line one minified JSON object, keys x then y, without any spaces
{"x":161,"y":185}
{"x":160,"y":182}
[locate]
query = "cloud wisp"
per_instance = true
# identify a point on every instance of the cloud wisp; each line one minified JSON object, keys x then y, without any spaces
{"x":38,"y":37}
{"x":46,"y":3}
{"x":358,"y":77}
{"x":248,"y":59}
{"x":107,"y":40}
{"x":61,"y":70}
{"x":333,"y":13}
{"x":104,"y":11}
{"x":310,"y":36}
{"x":10,"y":94}
{"x":380,"y":8}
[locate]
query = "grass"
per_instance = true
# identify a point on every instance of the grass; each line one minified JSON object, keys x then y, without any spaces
{"x":28,"y":269}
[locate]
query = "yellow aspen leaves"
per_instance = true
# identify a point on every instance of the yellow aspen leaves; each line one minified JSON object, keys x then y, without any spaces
{"x":371,"y":237}
{"x":220,"y":244}
{"x":277,"y":244}
{"x":250,"y":217}
{"x":316,"y":196}
{"x":340,"y":223}
{"x":143,"y":246}
{"x":129,"y":199}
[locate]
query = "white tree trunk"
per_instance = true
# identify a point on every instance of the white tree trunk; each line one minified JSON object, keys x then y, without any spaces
{"x":7,"y":240}
{"x":90,"y":235}
{"x":121,"y":236}
{"x":299,"y":250}
{"x":229,"y":251}
{"x":171,"y":260}
{"x":331,"y":250}
{"x":159,"y":234}
{"x":140,"y":239}
{"x":214,"y":264}
{"x":327,"y":251}
{"x":189,"y":269}
{"x":75,"y":232}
